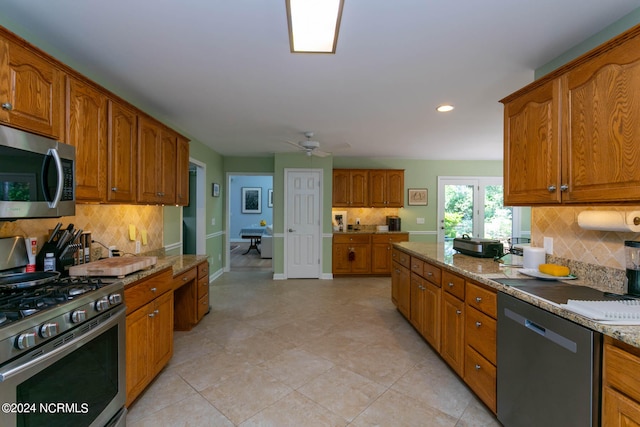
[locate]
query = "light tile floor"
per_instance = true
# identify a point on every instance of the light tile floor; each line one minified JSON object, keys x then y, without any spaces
{"x":305,"y":353}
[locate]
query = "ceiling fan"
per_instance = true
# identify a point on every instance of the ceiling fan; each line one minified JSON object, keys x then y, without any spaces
{"x":311,"y":147}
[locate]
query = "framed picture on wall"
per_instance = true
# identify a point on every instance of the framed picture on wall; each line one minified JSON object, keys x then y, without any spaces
{"x":270,"y":199}
{"x":418,"y":196}
{"x":252,"y":200}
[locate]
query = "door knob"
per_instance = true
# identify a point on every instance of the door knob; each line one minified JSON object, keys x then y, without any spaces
{"x":291,"y":230}
{"x":7,"y":106}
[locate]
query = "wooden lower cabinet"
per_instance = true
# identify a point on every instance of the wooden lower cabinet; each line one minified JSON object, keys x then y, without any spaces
{"x":452,"y":333}
{"x":191,"y":289}
{"x":400,"y":288}
{"x":381,"y":247}
{"x":620,"y":388}
{"x":364,"y":253}
{"x":480,"y":375}
{"x":149,"y":342}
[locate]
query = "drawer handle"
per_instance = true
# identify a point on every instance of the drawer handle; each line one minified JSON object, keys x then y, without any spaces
{"x":477,"y":367}
{"x":478,"y":299}
{"x":458,"y":312}
{"x":184,"y":279}
{"x":154,"y":313}
{"x":478,"y":324}
{"x":451,"y":284}
{"x":153,"y":290}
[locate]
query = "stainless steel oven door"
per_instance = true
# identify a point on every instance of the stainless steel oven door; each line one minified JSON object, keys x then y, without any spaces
{"x":75,"y":380}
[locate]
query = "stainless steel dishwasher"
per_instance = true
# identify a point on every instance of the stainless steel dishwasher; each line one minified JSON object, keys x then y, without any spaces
{"x":548,"y":368}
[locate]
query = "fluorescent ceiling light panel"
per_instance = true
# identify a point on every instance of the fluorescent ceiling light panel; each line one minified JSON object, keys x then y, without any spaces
{"x":314,"y":25}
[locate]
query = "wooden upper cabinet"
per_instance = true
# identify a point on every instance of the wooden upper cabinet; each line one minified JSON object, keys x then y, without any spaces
{"x":572,"y":136}
{"x":182,"y":171}
{"x":532,"y":147}
{"x":122,"y":151}
{"x":157,"y":161}
{"x":386,"y":188}
{"x":350,"y":187}
{"x":86,"y":129}
{"x":601,"y":129}
{"x":31,"y":91}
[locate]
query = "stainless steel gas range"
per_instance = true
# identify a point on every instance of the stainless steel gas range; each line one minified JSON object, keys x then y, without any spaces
{"x":62,"y":359}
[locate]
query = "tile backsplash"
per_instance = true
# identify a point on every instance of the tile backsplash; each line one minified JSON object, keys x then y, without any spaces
{"x":368,"y":216}
{"x":602,"y":248}
{"x":108,"y":224}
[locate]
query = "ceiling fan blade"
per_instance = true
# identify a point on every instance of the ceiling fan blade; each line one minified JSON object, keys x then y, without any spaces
{"x":295,"y":144}
{"x":320,"y":153}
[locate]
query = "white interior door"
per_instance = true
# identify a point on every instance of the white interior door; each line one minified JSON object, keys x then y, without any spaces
{"x":302,"y":223}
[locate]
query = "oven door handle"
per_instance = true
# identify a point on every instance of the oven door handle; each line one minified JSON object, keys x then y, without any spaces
{"x":53,"y":356}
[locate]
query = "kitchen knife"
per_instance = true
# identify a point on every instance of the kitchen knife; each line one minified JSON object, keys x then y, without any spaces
{"x":54,"y":232}
{"x":65,"y":237}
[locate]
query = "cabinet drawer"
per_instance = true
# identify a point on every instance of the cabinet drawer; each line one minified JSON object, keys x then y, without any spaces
{"x":621,"y":369}
{"x":483,"y":299}
{"x":453,"y":284}
{"x":401,"y":257}
{"x":203,"y":270}
{"x":432,"y":273}
{"x":203,"y":287}
{"x":389,"y":238}
{"x":417,"y":266}
{"x":184,"y":278}
{"x":480,"y":375}
{"x":203,"y":306}
{"x":351,"y":238}
{"x":480,"y":333}
{"x":143,"y":291}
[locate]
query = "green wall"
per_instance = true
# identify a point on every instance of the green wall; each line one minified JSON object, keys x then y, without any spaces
{"x":609,"y":32}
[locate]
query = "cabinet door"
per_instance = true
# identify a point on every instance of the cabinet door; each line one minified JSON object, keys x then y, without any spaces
{"x":359,"y":182}
{"x":601,"y":132}
{"x":361,"y":258}
{"x":416,"y":302}
{"x":381,"y":258}
{"x":149,"y":164}
{"x":340,"y":259}
{"x":168,"y":166}
{"x":182,"y":173}
{"x":532,"y":147}
{"x":618,"y":410}
{"x":122,"y":153}
{"x":452,"y":345}
{"x":431,"y":319}
{"x":31,"y":91}
{"x":162,"y":331}
{"x":401,"y":288}
{"x":341,"y":188}
{"x":86,"y":129}
{"x":138,"y":368}
{"x":395,"y":188}
{"x":377,"y":187}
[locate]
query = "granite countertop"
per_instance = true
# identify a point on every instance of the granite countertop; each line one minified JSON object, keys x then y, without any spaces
{"x":483,"y":270}
{"x":178,"y":263}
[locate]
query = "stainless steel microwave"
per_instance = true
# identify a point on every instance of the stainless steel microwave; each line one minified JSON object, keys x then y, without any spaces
{"x":37,"y":176}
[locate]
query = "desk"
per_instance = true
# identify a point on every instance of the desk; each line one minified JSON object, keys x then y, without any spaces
{"x":253,"y":233}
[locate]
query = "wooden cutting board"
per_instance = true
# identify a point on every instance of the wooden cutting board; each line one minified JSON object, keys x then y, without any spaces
{"x":116,"y":266}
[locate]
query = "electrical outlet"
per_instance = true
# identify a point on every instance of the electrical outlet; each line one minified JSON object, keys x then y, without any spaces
{"x":548,"y":245}
{"x":419,"y":220}
{"x":219,"y":257}
{"x":111,"y":249}
{"x":213,"y":221}
{"x":137,"y":246}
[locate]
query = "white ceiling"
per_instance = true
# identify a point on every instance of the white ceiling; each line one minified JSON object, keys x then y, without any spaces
{"x":220,"y":71}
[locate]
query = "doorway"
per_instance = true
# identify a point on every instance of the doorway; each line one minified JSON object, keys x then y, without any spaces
{"x":193,"y":215}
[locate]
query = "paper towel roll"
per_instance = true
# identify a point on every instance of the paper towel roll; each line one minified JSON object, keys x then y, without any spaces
{"x":533,"y":257}
{"x":610,"y":221}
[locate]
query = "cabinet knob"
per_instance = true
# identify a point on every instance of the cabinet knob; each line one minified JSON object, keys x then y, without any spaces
{"x":450,"y":284}
{"x":551,"y":188}
{"x":478,"y":324}
{"x":114,"y":188}
{"x":7,"y":106}
{"x":458,"y":312}
{"x":564,"y":187}
{"x":429,"y":274}
{"x":184,"y":279}
{"x":153,"y":290}
{"x":477,"y":367}
{"x":478,"y":299}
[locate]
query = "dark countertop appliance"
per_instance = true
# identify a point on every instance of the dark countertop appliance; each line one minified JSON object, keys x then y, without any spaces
{"x":477,"y":247}
{"x":393,"y":222}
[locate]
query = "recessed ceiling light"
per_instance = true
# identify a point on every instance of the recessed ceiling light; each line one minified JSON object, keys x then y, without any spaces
{"x":445,"y":108}
{"x":314,"y":25}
